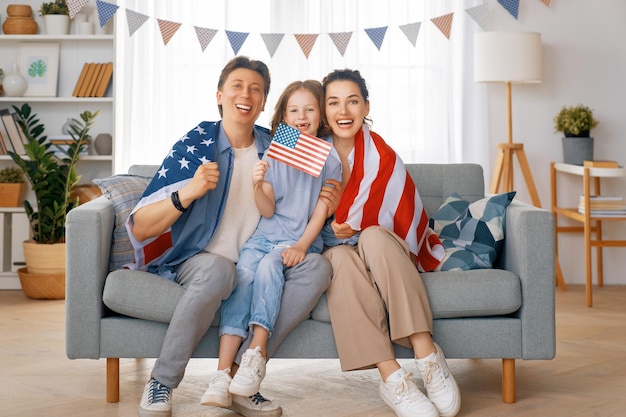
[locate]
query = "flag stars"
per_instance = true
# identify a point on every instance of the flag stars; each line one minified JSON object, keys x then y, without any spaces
{"x":207,"y":142}
{"x":191,"y":149}
{"x":171,"y":153}
{"x":183,"y":163}
{"x":200,"y":130}
{"x":163,"y":172}
{"x":184,"y":138}
{"x":204,"y":160}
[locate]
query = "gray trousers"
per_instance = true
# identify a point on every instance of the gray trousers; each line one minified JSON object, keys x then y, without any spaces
{"x":208,"y":279}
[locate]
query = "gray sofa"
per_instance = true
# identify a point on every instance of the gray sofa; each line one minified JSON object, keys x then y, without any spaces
{"x":502,"y":313}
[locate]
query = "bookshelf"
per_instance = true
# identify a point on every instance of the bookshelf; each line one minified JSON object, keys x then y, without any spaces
{"x":75,"y":50}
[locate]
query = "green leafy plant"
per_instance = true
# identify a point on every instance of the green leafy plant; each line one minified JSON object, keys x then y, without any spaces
{"x":575,"y":121}
{"x":51,"y":178}
{"x":54,"y":7}
{"x":11,"y":175}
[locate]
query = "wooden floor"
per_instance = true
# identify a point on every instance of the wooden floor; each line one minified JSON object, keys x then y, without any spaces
{"x":587,"y":378}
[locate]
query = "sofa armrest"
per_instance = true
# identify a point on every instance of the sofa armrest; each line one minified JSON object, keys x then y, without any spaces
{"x":89,"y":230}
{"x":529,"y":253}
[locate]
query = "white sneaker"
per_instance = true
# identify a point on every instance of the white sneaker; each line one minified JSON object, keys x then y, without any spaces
{"x":440,"y":385}
{"x":251,"y":372}
{"x":217,"y":393}
{"x":155,"y":401}
{"x":404,"y":398}
{"x":255,"y":406}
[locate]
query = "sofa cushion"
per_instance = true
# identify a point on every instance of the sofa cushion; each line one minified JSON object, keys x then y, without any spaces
{"x":124,"y":191}
{"x":472,"y":234}
{"x":477,"y":293}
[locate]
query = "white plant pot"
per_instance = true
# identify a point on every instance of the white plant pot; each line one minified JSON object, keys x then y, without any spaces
{"x":57,"y":24}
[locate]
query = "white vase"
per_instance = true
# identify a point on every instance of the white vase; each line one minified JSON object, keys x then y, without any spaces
{"x":57,"y":24}
{"x":66,"y":129}
{"x":14,"y":84}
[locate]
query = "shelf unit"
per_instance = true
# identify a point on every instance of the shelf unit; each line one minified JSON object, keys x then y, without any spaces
{"x":591,"y":224}
{"x":74,"y":51}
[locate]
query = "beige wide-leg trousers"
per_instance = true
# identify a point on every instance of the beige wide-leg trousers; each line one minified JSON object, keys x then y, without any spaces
{"x":376,"y":296}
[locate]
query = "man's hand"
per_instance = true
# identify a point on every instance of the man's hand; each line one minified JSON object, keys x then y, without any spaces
{"x":204,"y":179}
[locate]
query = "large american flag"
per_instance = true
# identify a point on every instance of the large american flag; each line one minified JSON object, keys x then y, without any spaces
{"x":381,"y":192}
{"x":299,"y":150}
{"x":188,"y":153}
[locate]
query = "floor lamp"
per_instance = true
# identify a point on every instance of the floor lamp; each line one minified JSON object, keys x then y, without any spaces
{"x":509,"y":57}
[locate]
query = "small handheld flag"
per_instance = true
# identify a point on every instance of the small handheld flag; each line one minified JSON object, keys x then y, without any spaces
{"x":299,"y":150}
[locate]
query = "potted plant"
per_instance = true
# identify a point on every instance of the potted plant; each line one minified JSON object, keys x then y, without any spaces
{"x":51,"y":179}
{"x":12,"y":187}
{"x":576,"y":123}
{"x":56,"y":16}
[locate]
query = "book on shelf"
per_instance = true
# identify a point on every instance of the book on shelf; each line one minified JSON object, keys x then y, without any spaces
{"x":600,"y":164}
{"x":13,"y":131}
{"x":81,"y":79}
{"x":105,"y":79}
{"x":4,"y":138}
{"x":91,"y":89}
{"x":602,"y":205}
{"x":91,"y":69}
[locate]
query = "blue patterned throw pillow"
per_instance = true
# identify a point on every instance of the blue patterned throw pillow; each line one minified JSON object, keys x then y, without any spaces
{"x":472,"y":233}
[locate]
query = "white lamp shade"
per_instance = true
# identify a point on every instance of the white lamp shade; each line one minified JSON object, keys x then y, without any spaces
{"x":507,"y":57}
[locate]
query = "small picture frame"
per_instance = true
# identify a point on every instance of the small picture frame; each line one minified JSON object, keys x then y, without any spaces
{"x":39,"y":64}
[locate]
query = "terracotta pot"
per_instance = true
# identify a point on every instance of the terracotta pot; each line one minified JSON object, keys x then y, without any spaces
{"x":12,"y":194}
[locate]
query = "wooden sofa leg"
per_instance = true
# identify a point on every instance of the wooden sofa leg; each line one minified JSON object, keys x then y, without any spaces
{"x":113,"y":380}
{"x":508,"y":381}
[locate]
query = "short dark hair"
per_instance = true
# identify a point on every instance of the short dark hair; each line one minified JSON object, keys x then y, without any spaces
{"x":247,"y":63}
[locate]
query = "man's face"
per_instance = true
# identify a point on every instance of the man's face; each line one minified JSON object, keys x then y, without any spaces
{"x":242,"y":97}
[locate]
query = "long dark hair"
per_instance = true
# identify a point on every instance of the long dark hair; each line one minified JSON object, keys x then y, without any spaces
{"x":349,"y":75}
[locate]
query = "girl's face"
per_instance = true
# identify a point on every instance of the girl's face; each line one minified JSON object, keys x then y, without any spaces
{"x":242,"y":97}
{"x":302,"y":112}
{"x":345,"y":108}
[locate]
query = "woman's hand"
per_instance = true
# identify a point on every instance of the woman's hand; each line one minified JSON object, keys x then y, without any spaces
{"x":342,"y":230}
{"x":331,"y":194}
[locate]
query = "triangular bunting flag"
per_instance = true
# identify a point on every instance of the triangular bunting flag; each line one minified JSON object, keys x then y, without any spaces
{"x":236,"y":40}
{"x":306,"y":43}
{"x":168,"y":29}
{"x":135,"y":20}
{"x":205,"y":36}
{"x":272,"y":40}
{"x":512,"y":6}
{"x":546,"y":2}
{"x":411,"y":31}
{"x":105,"y":11}
{"x":74,"y":6}
{"x":377,"y":35}
{"x":341,"y":40}
{"x":444,"y":23}
{"x":479,"y":14}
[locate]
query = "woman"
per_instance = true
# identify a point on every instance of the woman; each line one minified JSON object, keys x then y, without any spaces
{"x":377,"y":241}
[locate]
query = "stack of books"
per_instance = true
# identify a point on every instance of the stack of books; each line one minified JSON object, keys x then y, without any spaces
{"x":604,"y":206}
{"x":93,"y":80}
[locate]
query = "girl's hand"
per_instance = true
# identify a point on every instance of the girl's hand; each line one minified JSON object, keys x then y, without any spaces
{"x":258,"y":172}
{"x":293,"y":256}
{"x":342,"y":230}
{"x":331,"y":194}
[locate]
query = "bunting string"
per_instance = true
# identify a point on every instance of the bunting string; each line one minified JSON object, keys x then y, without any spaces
{"x":306,"y":41}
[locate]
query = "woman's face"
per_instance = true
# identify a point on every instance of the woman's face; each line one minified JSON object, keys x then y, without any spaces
{"x":242,"y":97}
{"x":345,"y":108}
{"x":302,"y":112}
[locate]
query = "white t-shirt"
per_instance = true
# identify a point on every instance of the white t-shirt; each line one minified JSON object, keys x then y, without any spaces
{"x":241,"y":215}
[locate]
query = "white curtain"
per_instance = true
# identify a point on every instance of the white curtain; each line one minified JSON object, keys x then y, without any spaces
{"x":424,"y":101}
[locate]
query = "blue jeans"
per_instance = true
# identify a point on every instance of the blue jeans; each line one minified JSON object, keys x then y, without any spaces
{"x":257,"y":295}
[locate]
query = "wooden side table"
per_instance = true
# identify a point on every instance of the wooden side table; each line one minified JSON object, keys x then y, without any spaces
{"x":591,"y":225}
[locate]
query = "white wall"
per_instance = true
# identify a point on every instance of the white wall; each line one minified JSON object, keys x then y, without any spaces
{"x":584,"y":61}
